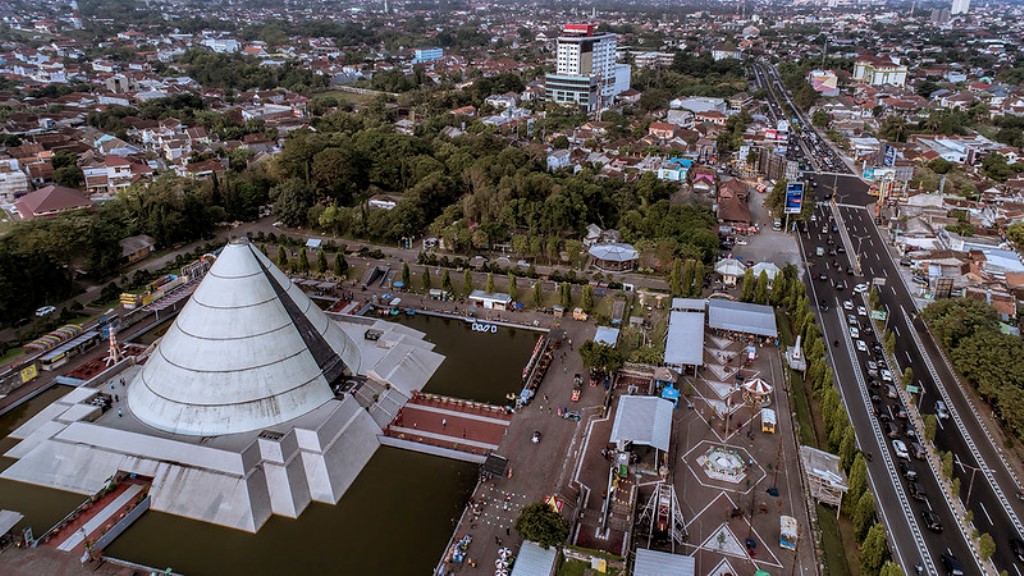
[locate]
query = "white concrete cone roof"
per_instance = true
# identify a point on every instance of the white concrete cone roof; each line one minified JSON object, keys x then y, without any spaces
{"x":248,"y":351}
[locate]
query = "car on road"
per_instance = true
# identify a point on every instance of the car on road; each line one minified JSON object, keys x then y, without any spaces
{"x":841,"y":250}
{"x":891,"y":391}
{"x":822,"y":277}
{"x":851,"y":320}
{"x":907,"y":471}
{"x":1017,"y":546}
{"x":906,"y":262}
{"x":931,"y":520}
{"x":823,"y":305}
{"x":951,"y":564}
{"x":861,"y":346}
{"x":872,"y":365}
{"x":847,"y":305}
{"x":917,"y":491}
{"x":900,"y":448}
{"x":910,"y":431}
{"x":840,"y":286}
{"x":854,"y":332}
{"x":940,"y":410}
{"x":835,"y":228}
{"x":860,"y":288}
{"x":886,"y":376}
{"x":741,"y":241}
{"x":45,"y":311}
{"x":862,"y":311}
{"x":918,"y":450}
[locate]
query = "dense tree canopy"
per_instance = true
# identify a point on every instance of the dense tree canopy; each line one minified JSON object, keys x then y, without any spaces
{"x":541,"y":524}
{"x":986,"y":358}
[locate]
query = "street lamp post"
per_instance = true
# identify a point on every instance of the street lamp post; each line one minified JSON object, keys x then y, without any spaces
{"x":970,"y":484}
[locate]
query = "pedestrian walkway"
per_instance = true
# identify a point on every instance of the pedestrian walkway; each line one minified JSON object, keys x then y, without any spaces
{"x":95,"y":517}
{"x":92,"y":525}
{"x":450,"y":423}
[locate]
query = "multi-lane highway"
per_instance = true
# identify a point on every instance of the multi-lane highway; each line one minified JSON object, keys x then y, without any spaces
{"x":987,"y":487}
{"x":855,"y":253}
{"x":858,"y":360}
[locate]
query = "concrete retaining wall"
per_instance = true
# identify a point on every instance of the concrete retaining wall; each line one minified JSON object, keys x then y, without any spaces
{"x":432,"y":450}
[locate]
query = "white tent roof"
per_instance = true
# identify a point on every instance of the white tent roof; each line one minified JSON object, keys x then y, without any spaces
{"x":685,"y":343}
{"x":758,"y":386}
{"x":768,"y":268}
{"x":248,"y":351}
{"x":643,"y":420}
{"x":730,"y":267}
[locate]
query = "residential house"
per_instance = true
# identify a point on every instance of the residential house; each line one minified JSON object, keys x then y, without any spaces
{"x":674,"y":169}
{"x":662,"y":130}
{"x":135,"y":248}
{"x":13,"y":181}
{"x":50,"y":201}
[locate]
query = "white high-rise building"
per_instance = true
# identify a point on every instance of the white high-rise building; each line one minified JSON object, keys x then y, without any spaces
{"x":960,"y":7}
{"x":586,"y":73}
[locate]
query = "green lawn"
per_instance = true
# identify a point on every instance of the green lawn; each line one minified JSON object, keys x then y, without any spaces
{"x":832,"y":543}
{"x":348,"y":97}
{"x":580,"y":568}
{"x":5,"y":224}
{"x":801,"y":402}
{"x":11,"y":354}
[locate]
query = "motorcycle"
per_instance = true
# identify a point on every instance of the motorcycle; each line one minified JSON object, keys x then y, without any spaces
{"x":536,"y":437}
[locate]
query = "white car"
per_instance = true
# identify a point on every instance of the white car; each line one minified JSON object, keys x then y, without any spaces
{"x":741,"y":242}
{"x":900,"y":449}
{"x":854,"y":332}
{"x":886,"y":375}
{"x":860,"y":288}
{"x":861,"y":345}
{"x":45,"y":311}
{"x":847,"y":305}
{"x":862,"y":311}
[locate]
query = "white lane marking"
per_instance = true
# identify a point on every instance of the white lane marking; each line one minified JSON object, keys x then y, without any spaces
{"x":896,"y":329}
{"x":956,"y":458}
{"x":893,"y":290}
{"x":1017,"y":570}
{"x":985,"y":510}
{"x":909,"y":358}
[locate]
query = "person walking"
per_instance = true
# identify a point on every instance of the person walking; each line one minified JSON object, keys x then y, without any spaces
{"x":444,"y":423}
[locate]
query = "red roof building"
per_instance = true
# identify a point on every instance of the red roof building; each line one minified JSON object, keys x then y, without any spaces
{"x":50,"y":201}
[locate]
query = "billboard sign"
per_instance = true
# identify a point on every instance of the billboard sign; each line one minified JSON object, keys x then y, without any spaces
{"x":889,"y":157}
{"x":868,"y":174}
{"x":794,"y":197}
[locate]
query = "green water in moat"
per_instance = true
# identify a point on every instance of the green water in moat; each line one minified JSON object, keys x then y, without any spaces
{"x":394,"y":520}
{"x":489,"y":366}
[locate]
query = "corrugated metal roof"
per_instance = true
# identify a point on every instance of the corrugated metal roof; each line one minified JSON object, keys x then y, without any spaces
{"x":8,"y":519}
{"x":645,"y":420}
{"x":685,"y":343}
{"x":689,"y":304}
{"x":534,"y":560}
{"x":654,"y":563}
{"x":742,"y":317}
